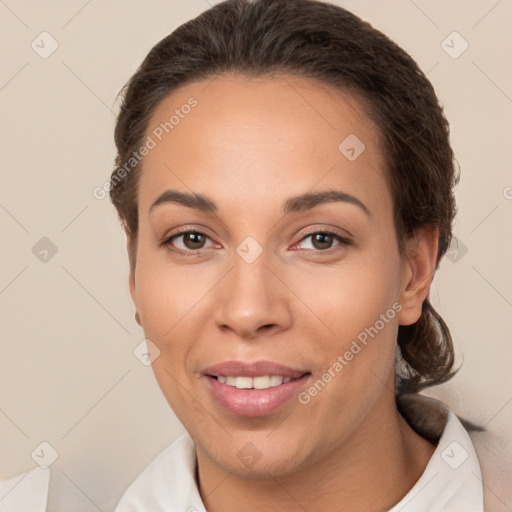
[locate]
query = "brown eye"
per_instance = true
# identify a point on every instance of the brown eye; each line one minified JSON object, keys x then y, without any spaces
{"x":322,"y":241}
{"x":193,"y":240}
{"x":187,"y":241}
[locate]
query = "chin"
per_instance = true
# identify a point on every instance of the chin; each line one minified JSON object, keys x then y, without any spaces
{"x":253,"y":456}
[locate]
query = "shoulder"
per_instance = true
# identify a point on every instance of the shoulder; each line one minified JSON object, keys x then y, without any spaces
{"x":451,"y":481}
{"x":26,"y":491}
{"x":433,"y":420}
{"x":167,"y":483}
{"x":494,"y":456}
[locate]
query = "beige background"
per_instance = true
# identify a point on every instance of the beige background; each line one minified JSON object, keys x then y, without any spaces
{"x":68,"y":375}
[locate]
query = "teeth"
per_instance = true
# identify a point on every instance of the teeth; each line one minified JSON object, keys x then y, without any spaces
{"x":243,"y":382}
{"x":231,"y":381}
{"x":260,"y":382}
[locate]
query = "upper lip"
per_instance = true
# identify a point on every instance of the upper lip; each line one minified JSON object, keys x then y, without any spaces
{"x":254,"y":369}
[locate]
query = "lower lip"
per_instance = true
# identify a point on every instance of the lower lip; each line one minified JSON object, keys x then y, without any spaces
{"x":254,"y":402}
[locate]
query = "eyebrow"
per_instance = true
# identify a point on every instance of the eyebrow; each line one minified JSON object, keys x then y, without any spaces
{"x":304,"y":202}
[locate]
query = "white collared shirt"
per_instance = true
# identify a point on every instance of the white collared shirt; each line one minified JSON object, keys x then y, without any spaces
{"x":27,"y":492}
{"x":451,"y":482}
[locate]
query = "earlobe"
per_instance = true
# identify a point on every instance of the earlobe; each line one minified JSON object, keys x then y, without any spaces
{"x":131,"y":284}
{"x":419,"y":269}
{"x":132,"y":293}
{"x":131,"y":277}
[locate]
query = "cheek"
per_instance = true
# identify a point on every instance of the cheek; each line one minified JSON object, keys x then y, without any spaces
{"x":166,"y":294}
{"x":169,"y":300}
{"x":353,"y":308}
{"x":350,"y":296}
{"x":357,"y":361}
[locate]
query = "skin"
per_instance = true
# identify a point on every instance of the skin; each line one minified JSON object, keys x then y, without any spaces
{"x":249,"y":145}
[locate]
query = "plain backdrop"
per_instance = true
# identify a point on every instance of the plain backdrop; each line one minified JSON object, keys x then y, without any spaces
{"x":68,"y":374}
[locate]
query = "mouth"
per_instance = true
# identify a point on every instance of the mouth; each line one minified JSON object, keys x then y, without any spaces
{"x":254,"y":389}
{"x":259,"y":382}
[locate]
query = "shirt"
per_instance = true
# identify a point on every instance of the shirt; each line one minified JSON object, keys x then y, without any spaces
{"x":27,"y":492}
{"x":451,"y":482}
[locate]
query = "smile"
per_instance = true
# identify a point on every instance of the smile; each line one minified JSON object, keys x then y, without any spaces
{"x":261,"y":382}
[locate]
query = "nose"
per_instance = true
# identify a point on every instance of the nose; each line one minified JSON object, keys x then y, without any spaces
{"x":252,"y":299}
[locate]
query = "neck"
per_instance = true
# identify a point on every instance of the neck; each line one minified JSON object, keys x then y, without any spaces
{"x":371,"y":470}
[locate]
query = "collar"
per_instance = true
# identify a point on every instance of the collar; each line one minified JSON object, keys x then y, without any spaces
{"x":26,"y":491}
{"x":451,"y":481}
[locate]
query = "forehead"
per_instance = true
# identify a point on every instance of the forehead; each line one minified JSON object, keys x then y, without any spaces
{"x":261,"y":139}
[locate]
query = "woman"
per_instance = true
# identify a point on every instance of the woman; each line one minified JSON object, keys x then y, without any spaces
{"x":285,"y":180}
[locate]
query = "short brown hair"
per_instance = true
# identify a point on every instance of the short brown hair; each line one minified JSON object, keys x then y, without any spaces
{"x":332,"y":46}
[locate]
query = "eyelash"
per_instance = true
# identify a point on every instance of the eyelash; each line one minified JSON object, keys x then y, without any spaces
{"x":167,"y":242}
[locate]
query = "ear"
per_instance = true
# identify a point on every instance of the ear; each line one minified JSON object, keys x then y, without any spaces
{"x":418,"y":271}
{"x":131,"y":249}
{"x":131,"y":284}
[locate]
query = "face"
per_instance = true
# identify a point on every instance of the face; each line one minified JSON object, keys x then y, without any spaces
{"x":257,"y":280}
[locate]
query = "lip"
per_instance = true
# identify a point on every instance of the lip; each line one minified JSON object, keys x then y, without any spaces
{"x":236,"y":368}
{"x":253,"y":402}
